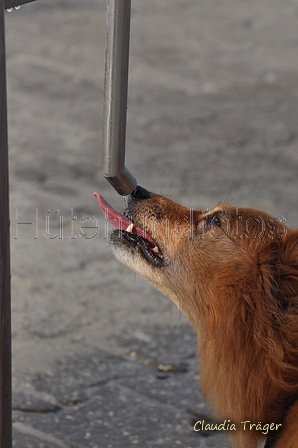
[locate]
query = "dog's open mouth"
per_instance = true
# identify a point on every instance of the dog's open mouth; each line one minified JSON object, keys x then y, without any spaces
{"x":127,"y":231}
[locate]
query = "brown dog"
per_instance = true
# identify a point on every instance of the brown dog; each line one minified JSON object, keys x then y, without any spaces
{"x":234,"y":274}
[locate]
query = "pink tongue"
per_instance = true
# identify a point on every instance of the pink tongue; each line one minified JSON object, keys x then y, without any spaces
{"x":119,"y":221}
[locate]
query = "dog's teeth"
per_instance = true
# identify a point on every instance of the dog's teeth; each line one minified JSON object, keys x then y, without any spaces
{"x":129,"y":228}
{"x":155,"y":249}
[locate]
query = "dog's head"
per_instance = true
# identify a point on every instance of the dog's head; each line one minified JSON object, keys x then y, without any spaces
{"x":193,"y":256}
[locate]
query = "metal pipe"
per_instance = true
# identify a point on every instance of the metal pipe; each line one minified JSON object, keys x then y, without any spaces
{"x":115,"y":96}
{"x":5,"y":309}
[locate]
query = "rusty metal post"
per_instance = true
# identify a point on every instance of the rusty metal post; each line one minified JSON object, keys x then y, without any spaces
{"x":5,"y":309}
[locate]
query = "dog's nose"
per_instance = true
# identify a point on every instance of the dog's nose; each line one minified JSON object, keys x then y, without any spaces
{"x":141,"y":193}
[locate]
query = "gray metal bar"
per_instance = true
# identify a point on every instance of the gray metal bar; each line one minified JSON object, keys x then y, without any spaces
{"x":13,"y":3}
{"x":115,"y":96}
{"x":5,"y":319}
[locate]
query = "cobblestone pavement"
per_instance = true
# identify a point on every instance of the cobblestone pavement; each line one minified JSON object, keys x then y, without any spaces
{"x":101,"y":359}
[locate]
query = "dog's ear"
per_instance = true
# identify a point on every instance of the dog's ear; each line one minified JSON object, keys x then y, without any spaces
{"x":281,"y":260}
{"x":288,"y":266}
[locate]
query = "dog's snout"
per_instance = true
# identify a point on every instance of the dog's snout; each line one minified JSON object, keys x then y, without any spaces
{"x":141,"y":193}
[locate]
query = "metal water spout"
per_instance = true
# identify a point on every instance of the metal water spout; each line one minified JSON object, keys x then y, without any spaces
{"x":115,"y":96}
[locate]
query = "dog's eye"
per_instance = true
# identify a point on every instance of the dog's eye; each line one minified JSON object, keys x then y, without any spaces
{"x":213,"y":219}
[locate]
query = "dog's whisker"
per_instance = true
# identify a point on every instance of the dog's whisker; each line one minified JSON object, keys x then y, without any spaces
{"x":242,"y":197}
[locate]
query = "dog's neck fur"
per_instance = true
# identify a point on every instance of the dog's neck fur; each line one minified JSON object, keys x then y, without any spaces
{"x":239,"y":365}
{"x":250,"y":338}
{"x":239,"y":376}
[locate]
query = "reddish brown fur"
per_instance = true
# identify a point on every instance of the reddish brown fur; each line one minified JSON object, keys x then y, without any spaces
{"x":237,"y":283}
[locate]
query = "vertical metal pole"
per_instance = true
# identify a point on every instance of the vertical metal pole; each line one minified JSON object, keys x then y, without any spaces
{"x":5,"y":319}
{"x":115,"y":96}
